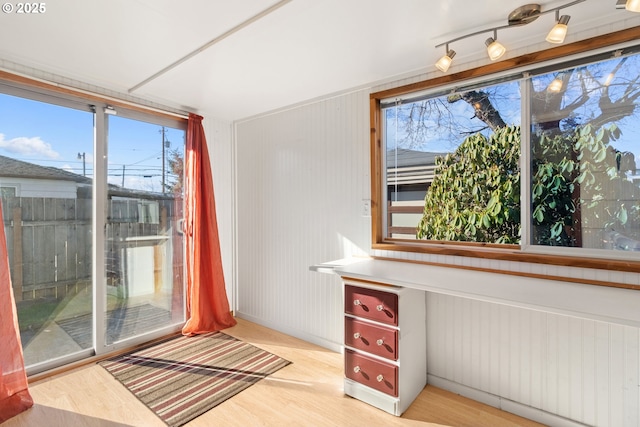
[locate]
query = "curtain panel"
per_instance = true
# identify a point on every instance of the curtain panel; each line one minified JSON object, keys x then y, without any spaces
{"x":14,"y":392}
{"x":207,"y":303}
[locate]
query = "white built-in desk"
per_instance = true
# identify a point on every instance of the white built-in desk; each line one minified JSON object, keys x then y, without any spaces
{"x":603,"y":303}
{"x":391,"y":382}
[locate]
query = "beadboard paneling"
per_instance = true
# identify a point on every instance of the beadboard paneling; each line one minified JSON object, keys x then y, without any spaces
{"x":301,"y":176}
{"x":219,"y":143}
{"x":583,"y":370}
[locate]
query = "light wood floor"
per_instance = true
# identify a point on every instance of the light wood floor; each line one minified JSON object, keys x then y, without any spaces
{"x":306,"y":393}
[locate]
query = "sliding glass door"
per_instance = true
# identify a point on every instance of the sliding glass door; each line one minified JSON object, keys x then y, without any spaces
{"x":92,"y":206}
{"x":143,"y":247}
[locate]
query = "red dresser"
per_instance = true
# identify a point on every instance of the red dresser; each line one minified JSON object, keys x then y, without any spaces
{"x":385,"y":344}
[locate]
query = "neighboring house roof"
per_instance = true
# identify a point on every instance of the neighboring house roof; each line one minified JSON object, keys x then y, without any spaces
{"x":14,"y":168}
{"x":116,"y":190}
{"x":410,"y":166}
{"x":403,"y":157}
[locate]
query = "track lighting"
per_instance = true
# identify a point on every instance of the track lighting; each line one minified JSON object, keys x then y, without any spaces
{"x":444,"y":62}
{"x":520,"y":16}
{"x":559,"y":31}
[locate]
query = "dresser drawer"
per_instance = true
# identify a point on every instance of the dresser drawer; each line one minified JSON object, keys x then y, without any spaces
{"x":371,"y":304}
{"x":371,"y":372}
{"x":379,"y":340}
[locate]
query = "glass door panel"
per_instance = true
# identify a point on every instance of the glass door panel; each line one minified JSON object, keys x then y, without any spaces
{"x":144,"y":246}
{"x":46,"y":183}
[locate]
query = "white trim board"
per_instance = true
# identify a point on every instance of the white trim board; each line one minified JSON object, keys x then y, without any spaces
{"x":503,"y":404}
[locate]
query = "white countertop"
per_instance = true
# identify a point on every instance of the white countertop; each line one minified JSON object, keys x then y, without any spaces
{"x":330,"y":266}
{"x":607,"y":304}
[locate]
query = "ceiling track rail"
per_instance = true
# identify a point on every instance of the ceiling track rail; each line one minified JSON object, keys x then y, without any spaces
{"x":212,"y":42}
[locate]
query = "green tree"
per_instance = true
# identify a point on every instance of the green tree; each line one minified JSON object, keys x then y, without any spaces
{"x":475,"y":194}
{"x":578,"y":179}
{"x":175,"y":162}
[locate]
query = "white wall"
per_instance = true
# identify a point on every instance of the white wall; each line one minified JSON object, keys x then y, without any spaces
{"x":301,"y":177}
{"x":219,"y":141}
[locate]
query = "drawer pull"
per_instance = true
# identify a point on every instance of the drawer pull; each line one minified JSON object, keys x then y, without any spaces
{"x":380,"y":341}
{"x":356,"y":335}
{"x":379,"y":378}
{"x":381,"y":308}
{"x":357,"y":302}
{"x":356,"y":369}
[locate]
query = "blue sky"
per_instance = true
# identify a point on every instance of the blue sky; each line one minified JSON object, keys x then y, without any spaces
{"x":51,"y":135}
{"x":461,"y":121}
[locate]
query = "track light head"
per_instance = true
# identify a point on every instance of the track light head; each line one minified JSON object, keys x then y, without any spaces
{"x":559,"y":31}
{"x":495,"y":49}
{"x":444,"y":62}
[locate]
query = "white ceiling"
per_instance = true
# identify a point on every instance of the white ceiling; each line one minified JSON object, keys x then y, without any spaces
{"x":269,"y":54}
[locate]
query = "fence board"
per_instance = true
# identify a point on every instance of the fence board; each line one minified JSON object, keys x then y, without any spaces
{"x":28,"y":269}
{"x":49,"y":209}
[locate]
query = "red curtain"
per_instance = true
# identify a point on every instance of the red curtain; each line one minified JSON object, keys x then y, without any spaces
{"x":14,"y":391}
{"x":207,"y":303}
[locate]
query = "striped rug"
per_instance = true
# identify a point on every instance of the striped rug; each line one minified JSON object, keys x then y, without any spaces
{"x":184,"y":377}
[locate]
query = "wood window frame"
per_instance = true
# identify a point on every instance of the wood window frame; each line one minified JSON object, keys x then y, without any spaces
{"x":481,"y":250}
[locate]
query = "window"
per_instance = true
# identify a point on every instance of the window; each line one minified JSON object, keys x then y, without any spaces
{"x":7,"y":192}
{"x":585,"y":153}
{"x":444,"y":164}
{"x":542,"y":160}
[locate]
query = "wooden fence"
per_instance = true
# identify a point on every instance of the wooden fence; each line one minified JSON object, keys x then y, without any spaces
{"x":393,"y":211}
{"x":49,"y":241}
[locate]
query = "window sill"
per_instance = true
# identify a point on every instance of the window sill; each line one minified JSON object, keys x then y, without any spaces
{"x":513,"y":253}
